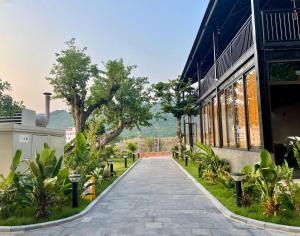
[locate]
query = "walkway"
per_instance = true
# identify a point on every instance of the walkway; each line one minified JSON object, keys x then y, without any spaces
{"x":155,"y":198}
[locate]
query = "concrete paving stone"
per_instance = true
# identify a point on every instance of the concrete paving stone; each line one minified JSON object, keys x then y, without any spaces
{"x":154,"y":198}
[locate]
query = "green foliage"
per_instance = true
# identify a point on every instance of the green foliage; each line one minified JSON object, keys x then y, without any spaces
{"x":170,"y":95}
{"x":8,"y":106}
{"x":76,"y":152}
{"x":45,"y":183}
{"x":296,"y":150}
{"x":211,"y":166}
{"x":12,"y":189}
{"x":131,"y":147}
{"x":268,"y":175}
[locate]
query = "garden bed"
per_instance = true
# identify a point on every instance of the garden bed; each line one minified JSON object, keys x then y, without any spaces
{"x":227,"y":197}
{"x":27,"y":216}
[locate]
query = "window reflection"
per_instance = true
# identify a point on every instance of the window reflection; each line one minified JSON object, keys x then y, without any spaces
{"x":253,"y":114}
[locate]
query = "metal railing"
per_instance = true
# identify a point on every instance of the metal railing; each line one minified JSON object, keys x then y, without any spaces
{"x":238,"y":46}
{"x":281,"y":25}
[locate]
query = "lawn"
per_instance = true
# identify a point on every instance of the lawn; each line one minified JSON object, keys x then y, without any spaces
{"x":228,"y":198}
{"x":27,"y":216}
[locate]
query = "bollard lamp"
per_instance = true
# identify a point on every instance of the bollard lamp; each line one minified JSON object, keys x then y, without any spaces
{"x":74,"y":178}
{"x":238,"y":177}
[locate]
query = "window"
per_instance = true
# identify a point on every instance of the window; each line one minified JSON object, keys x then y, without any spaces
{"x":253,"y":114}
{"x":204,"y":125}
{"x":230,"y":116}
{"x":223,"y":119}
{"x":240,"y":119}
{"x":210,"y":124}
{"x":216,"y":123}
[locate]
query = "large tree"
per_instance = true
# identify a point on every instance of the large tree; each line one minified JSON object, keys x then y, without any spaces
{"x":178,"y":98}
{"x":114,"y":96}
{"x":72,"y":75}
{"x":130,"y":108}
{"x":8,"y":106}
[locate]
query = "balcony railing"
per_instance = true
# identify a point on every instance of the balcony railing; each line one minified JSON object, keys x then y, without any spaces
{"x":281,"y":25}
{"x":238,"y":46}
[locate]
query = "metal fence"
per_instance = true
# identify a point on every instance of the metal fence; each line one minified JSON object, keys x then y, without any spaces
{"x":15,"y":119}
{"x":281,"y":25}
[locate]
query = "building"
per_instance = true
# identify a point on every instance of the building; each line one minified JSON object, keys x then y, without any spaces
{"x":23,"y":131}
{"x":245,"y":62}
{"x":70,"y":134}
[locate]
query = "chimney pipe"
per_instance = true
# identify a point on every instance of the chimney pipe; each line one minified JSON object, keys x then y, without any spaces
{"x":47,"y":104}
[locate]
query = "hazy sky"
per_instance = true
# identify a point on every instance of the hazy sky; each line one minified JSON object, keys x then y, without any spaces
{"x":156,"y":35}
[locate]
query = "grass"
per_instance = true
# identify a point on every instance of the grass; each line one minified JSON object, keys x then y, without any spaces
{"x":228,"y":198}
{"x":27,"y":216}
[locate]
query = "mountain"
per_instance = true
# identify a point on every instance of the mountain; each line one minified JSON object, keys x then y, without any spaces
{"x":61,"y":119}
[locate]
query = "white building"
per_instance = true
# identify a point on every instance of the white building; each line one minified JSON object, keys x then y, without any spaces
{"x":70,"y":134}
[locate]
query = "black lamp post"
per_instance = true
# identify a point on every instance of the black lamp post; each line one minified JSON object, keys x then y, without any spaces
{"x":111,"y":167}
{"x":133,"y":157}
{"x":125,"y":161}
{"x":186,"y":160}
{"x":74,"y":178}
{"x":238,"y":177}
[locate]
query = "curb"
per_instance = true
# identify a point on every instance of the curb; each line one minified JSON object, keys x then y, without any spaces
{"x":227,"y":213}
{"x":22,"y":228}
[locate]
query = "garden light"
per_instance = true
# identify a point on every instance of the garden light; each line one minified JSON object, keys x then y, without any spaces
{"x":186,"y":160}
{"x":125,"y":161}
{"x":238,"y":177}
{"x":111,"y":167}
{"x":74,"y":178}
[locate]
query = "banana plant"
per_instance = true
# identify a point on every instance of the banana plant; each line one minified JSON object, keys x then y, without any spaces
{"x":44,"y":171}
{"x":10,"y":188}
{"x":296,"y":149}
{"x":268,"y":176}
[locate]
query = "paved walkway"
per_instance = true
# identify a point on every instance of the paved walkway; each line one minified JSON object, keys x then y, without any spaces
{"x":155,"y":198}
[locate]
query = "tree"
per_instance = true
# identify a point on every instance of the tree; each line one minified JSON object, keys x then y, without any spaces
{"x":178,"y":98}
{"x":130,"y":108}
{"x":8,"y":106}
{"x":71,"y":75}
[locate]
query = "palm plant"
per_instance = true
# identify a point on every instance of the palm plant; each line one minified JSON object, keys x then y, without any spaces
{"x":10,"y":188}
{"x":268,"y":176}
{"x":44,"y":171}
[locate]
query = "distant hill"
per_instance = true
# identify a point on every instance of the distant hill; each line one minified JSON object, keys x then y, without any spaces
{"x":61,"y":119}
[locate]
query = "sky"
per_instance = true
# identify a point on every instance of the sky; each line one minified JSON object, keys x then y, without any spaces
{"x":155,"y":35}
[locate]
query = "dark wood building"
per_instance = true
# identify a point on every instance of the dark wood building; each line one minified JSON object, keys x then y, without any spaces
{"x":245,"y":62}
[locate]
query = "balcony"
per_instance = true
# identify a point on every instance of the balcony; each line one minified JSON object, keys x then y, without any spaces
{"x":281,"y":25}
{"x":239,"y":45}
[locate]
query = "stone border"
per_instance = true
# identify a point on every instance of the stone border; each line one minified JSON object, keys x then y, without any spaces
{"x":23,"y":228}
{"x":227,"y":213}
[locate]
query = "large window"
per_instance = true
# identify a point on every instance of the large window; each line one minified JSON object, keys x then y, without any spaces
{"x":230,"y":116}
{"x":223,"y":119}
{"x":238,"y":113}
{"x":216,"y":122}
{"x":253,"y":114}
{"x":240,"y":118}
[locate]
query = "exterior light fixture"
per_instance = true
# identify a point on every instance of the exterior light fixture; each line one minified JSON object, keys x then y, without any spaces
{"x":186,"y":160}
{"x":238,"y":177}
{"x":125,"y":161}
{"x":111,"y":167}
{"x":74,"y":178}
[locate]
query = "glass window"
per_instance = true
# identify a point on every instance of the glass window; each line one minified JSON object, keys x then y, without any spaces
{"x":223,"y":120}
{"x":204,"y":124}
{"x":240,"y":122}
{"x":216,"y":123}
{"x":285,"y":71}
{"x":253,"y":113}
{"x":230,"y":116}
{"x":210,"y":124}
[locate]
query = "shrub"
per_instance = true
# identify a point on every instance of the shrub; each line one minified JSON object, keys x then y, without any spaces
{"x":12,"y":189}
{"x":45,"y":183}
{"x":211,"y":166}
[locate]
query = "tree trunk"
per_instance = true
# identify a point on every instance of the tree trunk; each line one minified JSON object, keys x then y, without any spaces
{"x":79,"y":120}
{"x":179,"y":137}
{"x":112,"y":135}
